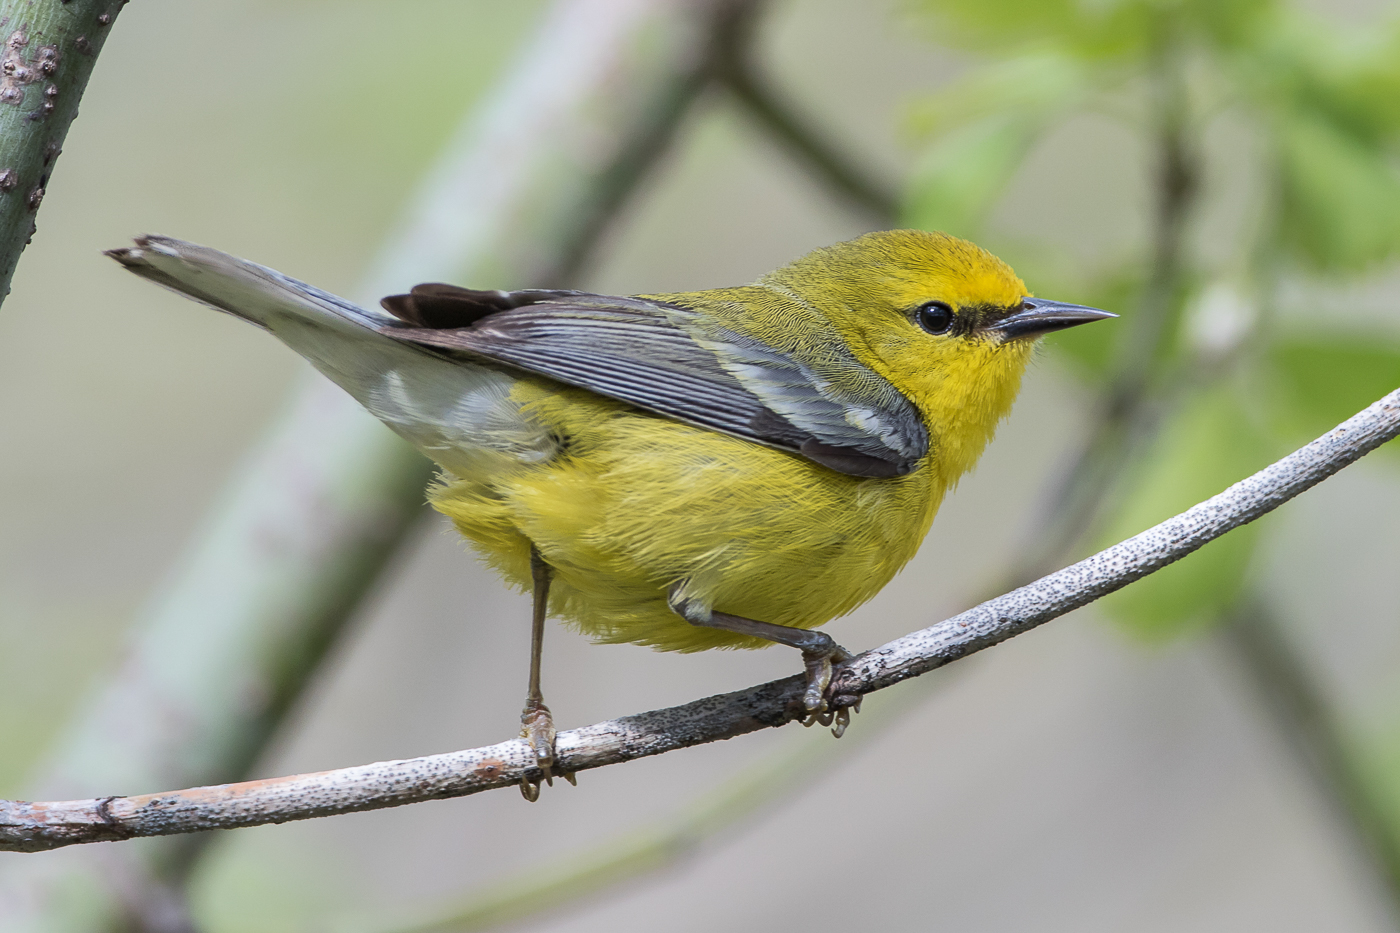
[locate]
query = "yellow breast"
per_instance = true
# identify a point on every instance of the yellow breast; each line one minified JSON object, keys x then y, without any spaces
{"x":635,"y":503}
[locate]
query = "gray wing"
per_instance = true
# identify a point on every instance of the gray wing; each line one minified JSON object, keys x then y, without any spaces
{"x":670,"y":360}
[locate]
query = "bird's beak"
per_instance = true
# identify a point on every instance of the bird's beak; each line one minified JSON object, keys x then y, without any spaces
{"x":1036,"y":316}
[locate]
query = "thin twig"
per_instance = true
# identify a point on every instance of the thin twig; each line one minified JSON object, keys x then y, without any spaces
{"x":734,"y":68}
{"x":37,"y":826}
{"x":652,"y":847}
{"x":47,"y":55}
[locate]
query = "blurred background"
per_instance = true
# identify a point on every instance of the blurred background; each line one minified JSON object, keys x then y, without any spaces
{"x":1217,"y":747}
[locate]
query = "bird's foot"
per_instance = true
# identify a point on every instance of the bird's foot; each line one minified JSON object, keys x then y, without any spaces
{"x":823,"y":708}
{"x":837,"y":714}
{"x":537,"y":729}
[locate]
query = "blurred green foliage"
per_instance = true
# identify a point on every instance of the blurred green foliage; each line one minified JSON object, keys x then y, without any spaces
{"x":1320,"y":380}
{"x":1234,"y":385}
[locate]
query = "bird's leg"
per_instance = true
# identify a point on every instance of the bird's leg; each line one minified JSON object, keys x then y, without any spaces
{"x":537,"y":725}
{"x":819,"y":652}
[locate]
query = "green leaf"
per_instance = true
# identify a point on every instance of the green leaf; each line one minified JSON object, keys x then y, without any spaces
{"x":1116,"y":29}
{"x":1322,"y":381}
{"x":1348,"y":78}
{"x":959,"y":179}
{"x":1041,"y":84}
{"x":993,"y":23}
{"x":1340,"y":197}
{"x":982,"y":128}
{"x":1209,"y":444}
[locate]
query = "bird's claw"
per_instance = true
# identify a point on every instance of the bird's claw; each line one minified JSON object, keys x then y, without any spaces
{"x":537,"y":729}
{"x":829,"y":711}
{"x":837,"y":714}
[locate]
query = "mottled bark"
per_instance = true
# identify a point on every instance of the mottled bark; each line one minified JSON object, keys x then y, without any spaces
{"x":49,"y":50}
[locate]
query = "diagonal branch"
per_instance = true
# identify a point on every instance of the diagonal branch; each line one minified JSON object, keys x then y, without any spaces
{"x":734,"y":68}
{"x":738,"y":801}
{"x":37,"y":826}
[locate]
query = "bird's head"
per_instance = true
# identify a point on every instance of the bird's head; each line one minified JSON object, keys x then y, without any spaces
{"x":945,"y":321}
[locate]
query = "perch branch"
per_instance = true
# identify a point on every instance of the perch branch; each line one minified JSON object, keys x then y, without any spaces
{"x":740,"y":800}
{"x":28,"y":826}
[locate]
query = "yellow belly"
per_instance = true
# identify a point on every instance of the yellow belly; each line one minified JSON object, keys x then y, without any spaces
{"x":634,"y":503}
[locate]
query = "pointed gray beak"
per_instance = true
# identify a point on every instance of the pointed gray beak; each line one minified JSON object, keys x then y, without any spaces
{"x":1037,"y":317}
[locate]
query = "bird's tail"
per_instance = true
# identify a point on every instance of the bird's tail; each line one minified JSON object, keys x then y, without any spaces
{"x":337,"y":337}
{"x":455,"y":410}
{"x":255,"y":293}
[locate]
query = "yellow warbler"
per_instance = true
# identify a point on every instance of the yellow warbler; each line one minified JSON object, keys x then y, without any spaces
{"x":724,"y":468}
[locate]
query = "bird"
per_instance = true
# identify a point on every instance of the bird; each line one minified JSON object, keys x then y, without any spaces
{"x":726,"y":468}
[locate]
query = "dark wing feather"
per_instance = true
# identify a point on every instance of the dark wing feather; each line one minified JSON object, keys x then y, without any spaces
{"x":436,"y":305}
{"x":642,"y":352}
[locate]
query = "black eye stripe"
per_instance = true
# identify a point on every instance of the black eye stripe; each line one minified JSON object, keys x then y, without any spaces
{"x":934,"y":317}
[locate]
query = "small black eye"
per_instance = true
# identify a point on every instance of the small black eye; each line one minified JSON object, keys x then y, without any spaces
{"x":934,"y":317}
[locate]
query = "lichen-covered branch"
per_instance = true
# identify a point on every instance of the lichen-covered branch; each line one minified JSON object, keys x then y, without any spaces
{"x":50,"y":47}
{"x":36,"y":826}
{"x":735,"y":802}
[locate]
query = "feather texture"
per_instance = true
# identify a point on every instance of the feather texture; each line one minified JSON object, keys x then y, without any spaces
{"x":676,"y":361}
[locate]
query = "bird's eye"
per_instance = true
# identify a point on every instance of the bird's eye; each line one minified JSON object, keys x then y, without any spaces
{"x":934,"y":317}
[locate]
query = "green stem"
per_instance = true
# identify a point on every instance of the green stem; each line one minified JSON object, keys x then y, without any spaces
{"x":49,"y":50}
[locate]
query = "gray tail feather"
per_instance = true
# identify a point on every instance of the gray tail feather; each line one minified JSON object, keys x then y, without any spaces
{"x":244,"y":289}
{"x":455,"y":410}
